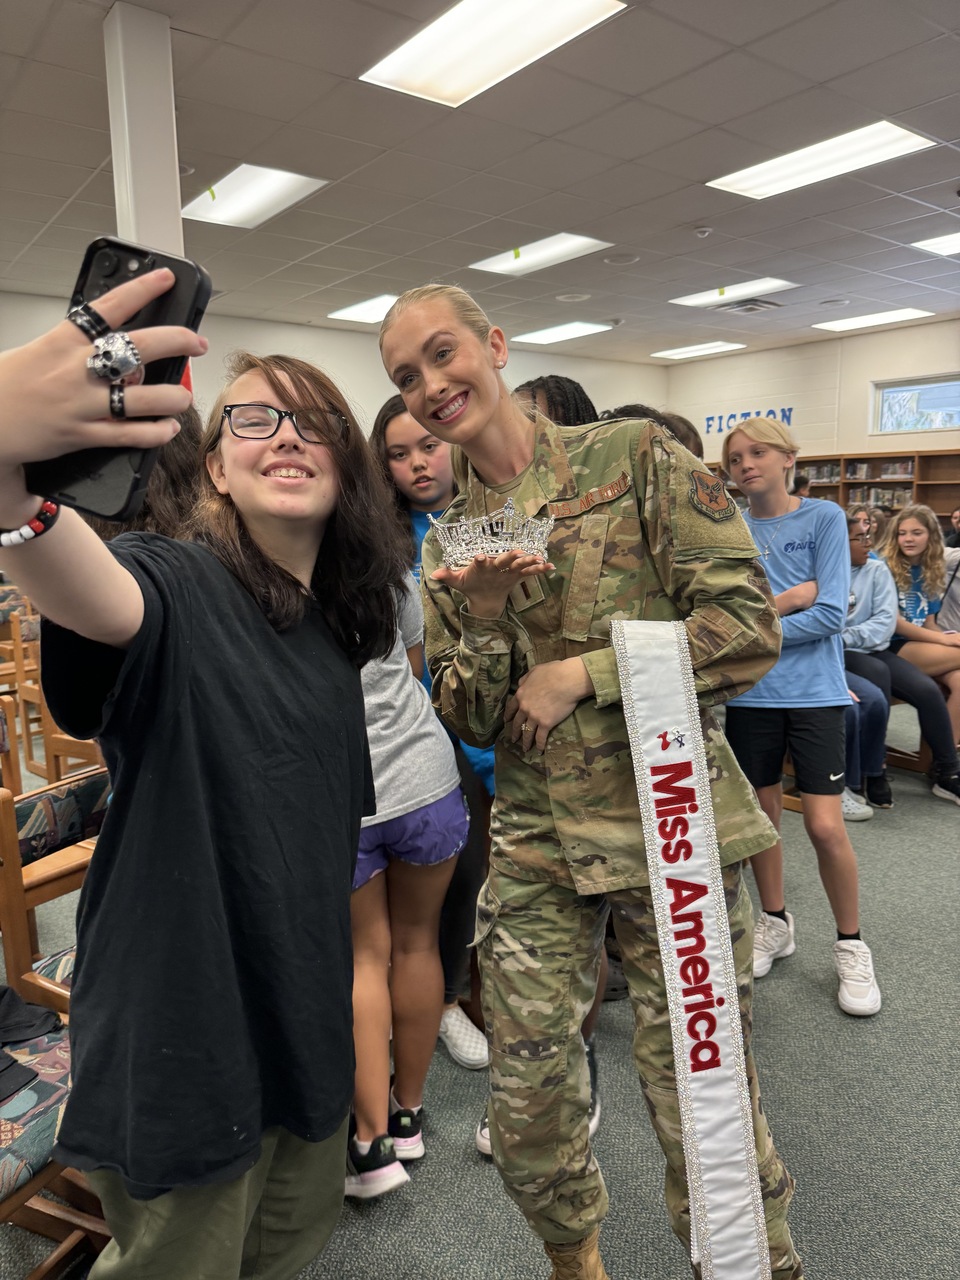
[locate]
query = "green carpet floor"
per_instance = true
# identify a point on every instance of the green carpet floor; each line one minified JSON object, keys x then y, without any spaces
{"x":864,"y":1111}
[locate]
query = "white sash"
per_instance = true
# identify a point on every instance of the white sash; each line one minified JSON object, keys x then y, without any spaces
{"x":728,"y":1235}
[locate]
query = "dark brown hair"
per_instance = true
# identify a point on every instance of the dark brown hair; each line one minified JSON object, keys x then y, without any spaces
{"x":362,"y":558}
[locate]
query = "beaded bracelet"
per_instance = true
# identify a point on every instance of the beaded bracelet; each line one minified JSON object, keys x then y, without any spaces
{"x":45,"y":519}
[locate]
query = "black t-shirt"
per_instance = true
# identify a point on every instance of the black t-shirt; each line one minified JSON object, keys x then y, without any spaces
{"x":212,"y":992}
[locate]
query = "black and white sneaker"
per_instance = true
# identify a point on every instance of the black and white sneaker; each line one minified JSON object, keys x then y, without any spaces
{"x":878,"y":791}
{"x":947,"y":787}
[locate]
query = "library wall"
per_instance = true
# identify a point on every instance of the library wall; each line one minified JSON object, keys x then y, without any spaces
{"x":823,"y":389}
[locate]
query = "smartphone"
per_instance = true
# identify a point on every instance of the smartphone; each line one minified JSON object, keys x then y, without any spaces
{"x":112,"y":483}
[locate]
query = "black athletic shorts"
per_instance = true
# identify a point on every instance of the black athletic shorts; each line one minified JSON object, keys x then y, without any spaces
{"x":814,"y":736}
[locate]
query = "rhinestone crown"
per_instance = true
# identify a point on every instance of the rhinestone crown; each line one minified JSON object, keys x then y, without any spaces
{"x":491,"y":535}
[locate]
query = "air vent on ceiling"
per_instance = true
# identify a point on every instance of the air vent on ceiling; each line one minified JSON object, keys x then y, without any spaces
{"x":748,"y":306}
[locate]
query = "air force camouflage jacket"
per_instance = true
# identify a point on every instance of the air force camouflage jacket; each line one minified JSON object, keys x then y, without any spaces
{"x":643,"y":530}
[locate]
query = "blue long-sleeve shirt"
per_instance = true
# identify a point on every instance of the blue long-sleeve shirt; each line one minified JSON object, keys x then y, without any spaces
{"x":872,"y":613}
{"x":809,"y":543}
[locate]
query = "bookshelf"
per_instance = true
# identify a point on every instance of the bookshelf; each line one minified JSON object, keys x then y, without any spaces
{"x":883,"y":479}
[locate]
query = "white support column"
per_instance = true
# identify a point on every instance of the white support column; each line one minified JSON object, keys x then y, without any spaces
{"x":143,"y":131}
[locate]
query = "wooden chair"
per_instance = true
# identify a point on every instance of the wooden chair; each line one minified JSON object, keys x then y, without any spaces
{"x":47,"y":838}
{"x":36,"y":721}
{"x":25,"y":640}
{"x":30,"y":1120}
{"x":11,"y":776}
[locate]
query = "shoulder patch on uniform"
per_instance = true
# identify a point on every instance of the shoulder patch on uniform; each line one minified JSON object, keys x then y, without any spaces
{"x":709,"y":495}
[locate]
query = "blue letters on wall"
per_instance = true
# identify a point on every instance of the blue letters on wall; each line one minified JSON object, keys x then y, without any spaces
{"x":728,"y":421}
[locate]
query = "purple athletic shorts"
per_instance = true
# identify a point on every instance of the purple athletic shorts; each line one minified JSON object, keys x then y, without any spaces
{"x":422,"y":837}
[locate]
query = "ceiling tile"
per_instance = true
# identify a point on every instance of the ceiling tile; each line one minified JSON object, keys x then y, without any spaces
{"x":625,"y":185}
{"x":484,"y":194}
{"x":940,"y":119}
{"x":471,"y":141}
{"x":943,"y":12}
{"x":310,"y":274}
{"x":548,"y":158}
{"x":23,"y":21}
{"x":358,"y":204}
{"x":74,"y":39}
{"x":801,"y":119}
{"x":58,"y":140}
{"x":41,"y":87}
{"x":730,"y":86}
{"x":23,"y":206}
{"x":203,"y":126}
{"x":349,"y":259}
{"x":41,"y":177}
{"x":317,"y":155}
{"x":369,"y":113}
{"x":919,"y":170}
{"x":240,"y":79}
{"x":392,"y":241}
{"x":631,"y":130}
{"x":409,"y":175}
{"x":844,"y":37}
{"x":94,"y":219}
{"x":349,"y":45}
{"x":909,"y":79}
{"x":878,"y":213}
{"x":739,"y":23}
{"x":637,"y":48}
{"x":232,"y":269}
{"x":545,"y":100}
{"x":707,"y":155}
{"x":927,"y":226}
{"x":561,"y":211}
{"x":434,"y":219}
{"x":303,"y":225}
{"x":944,"y":195}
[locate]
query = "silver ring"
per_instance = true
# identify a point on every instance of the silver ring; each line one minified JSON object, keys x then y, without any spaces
{"x":89,"y":321}
{"x":116,"y":400}
{"x":114,"y":357}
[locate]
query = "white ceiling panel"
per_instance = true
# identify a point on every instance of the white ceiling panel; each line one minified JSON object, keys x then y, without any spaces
{"x":845,"y":37}
{"x":733,"y":85}
{"x":613,"y":136}
{"x":737,"y":23}
{"x":631,"y":130}
{"x":543,"y":100}
{"x":240,"y":78}
{"x":906,"y":80}
{"x":636,"y":51}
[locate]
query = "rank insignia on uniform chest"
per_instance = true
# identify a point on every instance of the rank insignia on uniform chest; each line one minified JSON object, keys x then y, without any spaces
{"x":709,"y":495}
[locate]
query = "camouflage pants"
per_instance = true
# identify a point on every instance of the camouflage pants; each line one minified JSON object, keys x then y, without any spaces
{"x":539,"y":947}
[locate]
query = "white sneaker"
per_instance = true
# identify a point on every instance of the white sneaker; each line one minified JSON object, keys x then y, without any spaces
{"x":464,"y":1042}
{"x":772,"y":940}
{"x":859,"y":993}
{"x":482,"y":1136}
{"x":854,"y":809}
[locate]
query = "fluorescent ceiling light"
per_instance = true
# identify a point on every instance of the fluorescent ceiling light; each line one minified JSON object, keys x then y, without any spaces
{"x":370,"y":312}
{"x":946,"y":245}
{"x":250,"y":195}
{"x":704,"y":349}
{"x":561,"y":332}
{"x":734,"y":292}
{"x":478,"y":43}
{"x":879,"y":317}
{"x":843,"y":154}
{"x":540,"y":254}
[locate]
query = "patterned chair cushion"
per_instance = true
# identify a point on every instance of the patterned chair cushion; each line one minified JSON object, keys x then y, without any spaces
{"x":58,"y":967}
{"x":30,"y":1118}
{"x":4,"y":735}
{"x":29,"y":629}
{"x":61,"y":816}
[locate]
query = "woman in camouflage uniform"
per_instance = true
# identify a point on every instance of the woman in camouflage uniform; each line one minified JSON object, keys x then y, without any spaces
{"x":519,"y":650}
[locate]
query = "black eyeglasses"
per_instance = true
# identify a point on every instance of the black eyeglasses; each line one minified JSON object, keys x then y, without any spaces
{"x":261,"y":421}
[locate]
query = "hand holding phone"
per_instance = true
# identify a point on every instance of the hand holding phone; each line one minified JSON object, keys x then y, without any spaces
{"x":111,"y":481}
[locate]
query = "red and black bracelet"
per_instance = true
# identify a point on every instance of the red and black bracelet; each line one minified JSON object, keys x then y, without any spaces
{"x":45,"y":519}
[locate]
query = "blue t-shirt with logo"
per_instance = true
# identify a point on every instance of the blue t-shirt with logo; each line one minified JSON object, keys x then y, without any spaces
{"x":809,"y":543}
{"x":915,"y":605}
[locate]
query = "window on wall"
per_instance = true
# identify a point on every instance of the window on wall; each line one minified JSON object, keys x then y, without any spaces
{"x":918,"y":404}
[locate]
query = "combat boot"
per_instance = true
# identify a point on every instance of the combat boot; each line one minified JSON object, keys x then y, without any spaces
{"x":577,"y":1261}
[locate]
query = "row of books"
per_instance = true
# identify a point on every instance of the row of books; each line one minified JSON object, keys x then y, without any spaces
{"x":896,"y":470}
{"x":876,"y":496}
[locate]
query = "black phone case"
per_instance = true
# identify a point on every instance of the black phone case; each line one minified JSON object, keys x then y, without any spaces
{"x":112,"y":483}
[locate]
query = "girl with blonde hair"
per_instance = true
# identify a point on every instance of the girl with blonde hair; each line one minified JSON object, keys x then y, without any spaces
{"x":914,"y":551}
